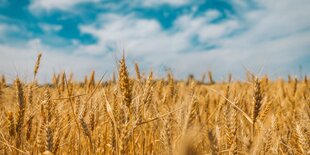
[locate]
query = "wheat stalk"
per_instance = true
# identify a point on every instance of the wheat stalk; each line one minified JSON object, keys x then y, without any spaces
{"x":37,"y":65}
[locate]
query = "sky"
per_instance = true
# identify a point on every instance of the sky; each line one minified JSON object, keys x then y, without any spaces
{"x":184,"y":36}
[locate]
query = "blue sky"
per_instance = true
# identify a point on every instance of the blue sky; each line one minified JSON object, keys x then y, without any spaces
{"x":224,"y":36}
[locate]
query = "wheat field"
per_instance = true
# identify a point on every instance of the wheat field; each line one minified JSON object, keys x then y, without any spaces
{"x":141,"y":114}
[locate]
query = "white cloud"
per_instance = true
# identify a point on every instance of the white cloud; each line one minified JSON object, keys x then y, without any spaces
{"x":49,"y":5}
{"x":203,"y":28}
{"x":147,"y":37}
{"x":49,"y":28}
{"x":137,"y":36}
{"x":154,"y":3}
{"x":2,"y":28}
{"x":5,"y":28}
{"x":37,"y":6}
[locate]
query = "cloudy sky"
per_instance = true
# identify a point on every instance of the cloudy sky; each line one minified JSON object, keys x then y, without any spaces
{"x":223,"y":36}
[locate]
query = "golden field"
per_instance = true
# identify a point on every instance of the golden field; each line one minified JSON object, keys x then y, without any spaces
{"x":140,"y":114}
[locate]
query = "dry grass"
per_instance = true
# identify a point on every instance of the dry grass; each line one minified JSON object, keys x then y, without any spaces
{"x":145,"y":115}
